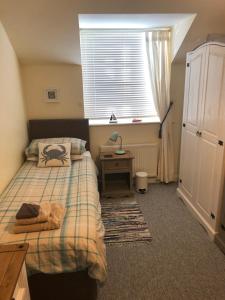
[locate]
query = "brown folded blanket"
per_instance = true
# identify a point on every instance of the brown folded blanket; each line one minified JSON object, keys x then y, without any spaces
{"x":44,"y":213}
{"x":54,"y":221}
{"x":28,"y":210}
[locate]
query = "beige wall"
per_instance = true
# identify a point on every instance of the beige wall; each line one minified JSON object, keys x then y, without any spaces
{"x":177,"y":96}
{"x":132,"y":134}
{"x":13,"y":132}
{"x":68,"y":79}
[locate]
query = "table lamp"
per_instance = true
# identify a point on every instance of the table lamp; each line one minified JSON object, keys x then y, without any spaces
{"x":114,"y":136}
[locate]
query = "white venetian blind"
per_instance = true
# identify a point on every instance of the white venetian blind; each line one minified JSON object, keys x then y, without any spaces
{"x":115,"y":74}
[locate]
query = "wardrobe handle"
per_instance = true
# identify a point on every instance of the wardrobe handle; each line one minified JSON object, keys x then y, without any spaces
{"x":198,"y":133}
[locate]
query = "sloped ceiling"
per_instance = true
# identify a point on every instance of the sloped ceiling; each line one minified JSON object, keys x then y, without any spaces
{"x":179,"y":24}
{"x":47,"y":31}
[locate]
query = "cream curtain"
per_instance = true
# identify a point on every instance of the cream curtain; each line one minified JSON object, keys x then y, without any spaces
{"x":159,"y":60}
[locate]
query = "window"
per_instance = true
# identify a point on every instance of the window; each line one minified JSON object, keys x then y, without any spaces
{"x":115,"y":74}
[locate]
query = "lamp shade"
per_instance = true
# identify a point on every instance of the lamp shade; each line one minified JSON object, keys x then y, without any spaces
{"x":114,"y":136}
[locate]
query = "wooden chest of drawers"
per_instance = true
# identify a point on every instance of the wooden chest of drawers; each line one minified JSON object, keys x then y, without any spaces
{"x":13,"y":276}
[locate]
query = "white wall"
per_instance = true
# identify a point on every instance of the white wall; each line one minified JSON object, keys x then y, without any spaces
{"x":68,"y":79}
{"x":13,"y":130}
{"x":179,"y":33}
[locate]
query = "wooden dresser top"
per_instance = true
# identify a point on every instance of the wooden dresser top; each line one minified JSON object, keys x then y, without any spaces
{"x":11,"y":261}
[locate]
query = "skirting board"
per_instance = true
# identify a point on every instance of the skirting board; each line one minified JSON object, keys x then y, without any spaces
{"x":196,"y":214}
{"x":150,"y":180}
{"x":220,"y":243}
{"x":153,"y":180}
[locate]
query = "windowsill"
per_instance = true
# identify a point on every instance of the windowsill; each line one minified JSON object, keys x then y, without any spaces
{"x":124,"y":121}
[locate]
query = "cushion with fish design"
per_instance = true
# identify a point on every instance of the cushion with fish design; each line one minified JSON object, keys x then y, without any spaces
{"x":54,"y":155}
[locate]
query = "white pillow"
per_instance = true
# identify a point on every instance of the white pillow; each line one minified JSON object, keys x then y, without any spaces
{"x":77,"y":146}
{"x":76,"y":156}
{"x":73,"y":157}
{"x":54,"y":155}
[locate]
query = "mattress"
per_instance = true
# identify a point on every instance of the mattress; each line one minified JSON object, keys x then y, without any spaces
{"x":78,"y":244}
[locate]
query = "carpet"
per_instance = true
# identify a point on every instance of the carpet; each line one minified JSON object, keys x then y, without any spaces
{"x":181,"y":262}
{"x":124,"y":222}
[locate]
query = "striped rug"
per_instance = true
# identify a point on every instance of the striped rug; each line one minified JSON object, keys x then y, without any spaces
{"x":124,"y":222}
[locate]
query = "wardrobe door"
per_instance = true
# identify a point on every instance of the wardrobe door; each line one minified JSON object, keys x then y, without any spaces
{"x":212,"y":126}
{"x":191,"y":123}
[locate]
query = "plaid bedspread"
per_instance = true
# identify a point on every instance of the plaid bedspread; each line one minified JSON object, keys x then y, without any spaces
{"x":78,"y":244}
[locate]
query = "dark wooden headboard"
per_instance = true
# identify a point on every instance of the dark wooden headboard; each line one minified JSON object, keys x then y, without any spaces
{"x":50,"y":128}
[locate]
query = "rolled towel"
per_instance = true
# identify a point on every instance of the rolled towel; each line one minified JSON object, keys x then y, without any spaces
{"x":27,"y":211}
{"x":54,"y":221}
{"x":44,"y":213}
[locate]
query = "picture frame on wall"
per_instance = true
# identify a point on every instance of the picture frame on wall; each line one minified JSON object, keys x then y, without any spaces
{"x":52,"y":95}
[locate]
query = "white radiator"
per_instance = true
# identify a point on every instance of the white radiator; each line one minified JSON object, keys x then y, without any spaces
{"x":145,"y":156}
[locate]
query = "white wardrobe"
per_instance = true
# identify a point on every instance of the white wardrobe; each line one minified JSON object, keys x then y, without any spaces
{"x":201,"y":179}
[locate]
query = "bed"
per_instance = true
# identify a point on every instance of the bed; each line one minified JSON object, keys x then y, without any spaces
{"x":60,"y":259}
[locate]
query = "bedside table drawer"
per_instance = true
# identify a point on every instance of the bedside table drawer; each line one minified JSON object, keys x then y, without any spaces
{"x":116,"y":164}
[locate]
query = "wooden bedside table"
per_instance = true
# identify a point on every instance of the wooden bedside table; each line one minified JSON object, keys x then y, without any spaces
{"x":116,"y":174}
